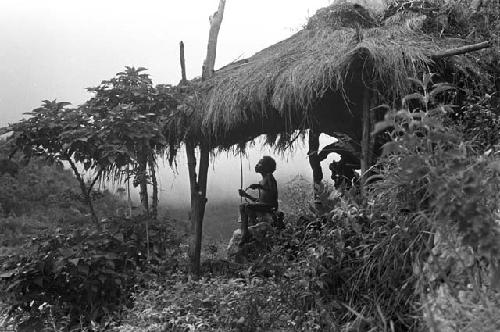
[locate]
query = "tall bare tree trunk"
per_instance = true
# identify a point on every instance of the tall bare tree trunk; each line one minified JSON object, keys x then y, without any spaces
{"x":215,"y":22}
{"x":198,"y":200}
{"x":198,"y":184}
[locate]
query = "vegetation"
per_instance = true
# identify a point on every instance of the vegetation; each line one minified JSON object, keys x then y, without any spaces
{"x":59,"y":134}
{"x":129,"y":114}
{"x":417,"y":250}
{"x":430,"y":225}
{"x":357,"y":267}
{"x":81,"y":277}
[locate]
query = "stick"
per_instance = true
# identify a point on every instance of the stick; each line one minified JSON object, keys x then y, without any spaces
{"x":183,"y":63}
{"x":462,"y":50}
{"x":215,"y":23}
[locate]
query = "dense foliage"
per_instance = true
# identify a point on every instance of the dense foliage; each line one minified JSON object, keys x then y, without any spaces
{"x":117,"y":133}
{"x":84,"y":276}
{"x":62,"y":134}
{"x":429,"y":227}
{"x":419,"y":250}
{"x":129,"y":115}
{"x":434,"y":163}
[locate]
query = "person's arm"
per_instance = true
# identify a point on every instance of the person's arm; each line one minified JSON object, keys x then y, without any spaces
{"x":243,"y":193}
{"x":255,"y":186}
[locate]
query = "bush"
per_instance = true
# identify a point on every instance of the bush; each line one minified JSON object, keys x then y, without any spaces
{"x":479,"y":121}
{"x":446,"y":176}
{"x":83,"y":276}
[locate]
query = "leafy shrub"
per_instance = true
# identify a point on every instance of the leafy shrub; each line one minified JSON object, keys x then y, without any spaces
{"x":347,"y":262}
{"x":446,"y":176}
{"x":431,"y":168}
{"x":479,"y":122}
{"x":83,"y":276}
{"x":248,"y":303}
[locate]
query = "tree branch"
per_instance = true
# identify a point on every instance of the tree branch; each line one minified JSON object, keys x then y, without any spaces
{"x":85,"y":192}
{"x":461,"y":50}
{"x":215,"y":22}
{"x":183,"y":63}
{"x":94,"y":181}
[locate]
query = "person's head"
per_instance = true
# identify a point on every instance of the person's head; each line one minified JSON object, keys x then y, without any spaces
{"x":266,"y":165}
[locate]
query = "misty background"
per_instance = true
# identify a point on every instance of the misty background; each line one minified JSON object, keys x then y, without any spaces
{"x":54,"y":49}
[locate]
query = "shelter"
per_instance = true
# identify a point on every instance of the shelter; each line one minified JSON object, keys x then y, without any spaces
{"x":326,"y":76}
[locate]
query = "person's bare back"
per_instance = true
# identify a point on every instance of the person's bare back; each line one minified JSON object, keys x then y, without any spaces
{"x":268,"y":191}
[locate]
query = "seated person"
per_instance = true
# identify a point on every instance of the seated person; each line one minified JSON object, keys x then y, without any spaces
{"x":268,"y":196}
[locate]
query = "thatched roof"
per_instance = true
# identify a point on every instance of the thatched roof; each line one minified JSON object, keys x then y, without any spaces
{"x":316,"y":78}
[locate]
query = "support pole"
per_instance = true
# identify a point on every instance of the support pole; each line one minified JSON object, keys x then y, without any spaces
{"x":315,"y":163}
{"x":183,"y":62}
{"x":366,"y":141}
{"x":198,"y":182}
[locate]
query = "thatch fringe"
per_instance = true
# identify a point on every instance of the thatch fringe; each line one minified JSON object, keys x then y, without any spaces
{"x":278,"y":89}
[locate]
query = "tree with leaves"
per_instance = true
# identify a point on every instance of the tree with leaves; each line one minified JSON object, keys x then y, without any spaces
{"x":59,"y":133}
{"x":129,"y":114}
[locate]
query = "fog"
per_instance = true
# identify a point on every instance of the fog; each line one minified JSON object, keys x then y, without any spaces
{"x":226,"y":170}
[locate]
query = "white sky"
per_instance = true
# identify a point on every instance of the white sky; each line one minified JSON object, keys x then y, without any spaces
{"x":54,"y":49}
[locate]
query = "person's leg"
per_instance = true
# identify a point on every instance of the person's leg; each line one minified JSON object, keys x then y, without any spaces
{"x":244,"y":220}
{"x":252,"y":214}
{"x":248,"y":213}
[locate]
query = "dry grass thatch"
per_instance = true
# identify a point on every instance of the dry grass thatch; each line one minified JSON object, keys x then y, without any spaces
{"x":340,"y":52}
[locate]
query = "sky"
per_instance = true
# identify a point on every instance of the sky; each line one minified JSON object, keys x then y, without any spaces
{"x":54,"y":49}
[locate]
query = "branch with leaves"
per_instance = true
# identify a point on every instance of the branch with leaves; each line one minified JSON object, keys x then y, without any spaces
{"x":59,"y":133}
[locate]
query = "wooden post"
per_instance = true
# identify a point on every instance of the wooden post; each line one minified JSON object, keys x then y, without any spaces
{"x":315,"y":163}
{"x":366,"y":146}
{"x":314,"y":160}
{"x":198,"y":184}
{"x":183,"y":63}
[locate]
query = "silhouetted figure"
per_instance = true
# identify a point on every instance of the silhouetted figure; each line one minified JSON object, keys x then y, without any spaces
{"x":343,"y":172}
{"x":267,"y":200}
{"x":9,"y":167}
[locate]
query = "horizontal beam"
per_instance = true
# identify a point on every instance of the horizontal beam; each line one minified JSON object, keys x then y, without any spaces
{"x":461,"y":50}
